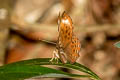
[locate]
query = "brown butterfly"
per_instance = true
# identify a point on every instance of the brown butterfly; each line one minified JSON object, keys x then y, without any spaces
{"x":68,"y":45}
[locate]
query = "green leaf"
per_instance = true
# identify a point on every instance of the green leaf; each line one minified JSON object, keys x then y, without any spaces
{"x":117,"y":44}
{"x":17,"y":72}
{"x":33,"y":69}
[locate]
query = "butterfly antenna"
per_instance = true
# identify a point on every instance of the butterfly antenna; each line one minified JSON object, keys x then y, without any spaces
{"x":50,"y":42}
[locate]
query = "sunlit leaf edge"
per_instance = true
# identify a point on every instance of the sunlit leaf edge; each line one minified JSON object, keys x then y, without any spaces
{"x":117,"y":44}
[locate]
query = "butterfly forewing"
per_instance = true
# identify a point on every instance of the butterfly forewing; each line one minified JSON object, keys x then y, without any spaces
{"x":65,"y":30}
{"x":68,"y":44}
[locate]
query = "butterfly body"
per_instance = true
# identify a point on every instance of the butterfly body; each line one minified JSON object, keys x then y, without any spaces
{"x":68,"y":45}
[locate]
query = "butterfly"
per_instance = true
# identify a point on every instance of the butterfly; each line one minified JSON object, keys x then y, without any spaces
{"x":68,"y":45}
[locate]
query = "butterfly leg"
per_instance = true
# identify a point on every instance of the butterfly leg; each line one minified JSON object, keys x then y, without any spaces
{"x":62,"y":56}
{"x":55,"y":56}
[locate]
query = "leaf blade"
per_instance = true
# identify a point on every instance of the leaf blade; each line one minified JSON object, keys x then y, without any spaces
{"x":45,"y":61}
{"x":16,"y":72}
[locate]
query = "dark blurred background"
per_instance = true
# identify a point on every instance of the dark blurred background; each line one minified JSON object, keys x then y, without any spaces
{"x":26,"y":25}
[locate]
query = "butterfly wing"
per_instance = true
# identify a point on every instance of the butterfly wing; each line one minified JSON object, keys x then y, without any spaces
{"x":68,"y":44}
{"x":65,"y":30}
{"x":65,"y":35}
{"x":73,"y":50}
